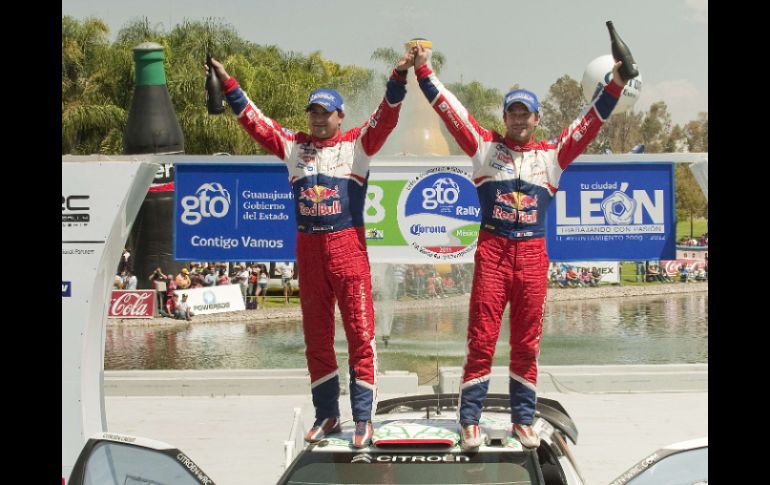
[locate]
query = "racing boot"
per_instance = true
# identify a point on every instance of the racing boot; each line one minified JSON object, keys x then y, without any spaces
{"x":470,"y":436}
{"x":323,"y":427}
{"x":362,"y":436}
{"x":527,"y":435}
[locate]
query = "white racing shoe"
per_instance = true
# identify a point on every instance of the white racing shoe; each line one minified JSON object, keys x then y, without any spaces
{"x":470,"y":436}
{"x":527,"y":435}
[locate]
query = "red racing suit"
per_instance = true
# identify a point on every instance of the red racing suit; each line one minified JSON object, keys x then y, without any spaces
{"x":515,"y":185}
{"x":329,"y":181}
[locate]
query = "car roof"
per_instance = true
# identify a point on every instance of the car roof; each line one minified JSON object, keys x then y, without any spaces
{"x":415,"y":433}
{"x":549,"y":409}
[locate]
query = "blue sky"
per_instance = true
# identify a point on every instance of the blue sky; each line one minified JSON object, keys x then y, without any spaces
{"x":496,"y":42}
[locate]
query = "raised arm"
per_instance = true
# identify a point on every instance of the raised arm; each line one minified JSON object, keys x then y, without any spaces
{"x":375,"y":131}
{"x":470,"y":136}
{"x":581,"y":132}
{"x":266,"y":131}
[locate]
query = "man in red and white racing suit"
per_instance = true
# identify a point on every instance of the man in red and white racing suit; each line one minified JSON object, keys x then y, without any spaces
{"x":328,"y":172}
{"x":516,"y":178}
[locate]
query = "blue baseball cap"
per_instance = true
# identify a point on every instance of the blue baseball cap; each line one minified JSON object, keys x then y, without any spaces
{"x":328,"y":98}
{"x":528,"y":98}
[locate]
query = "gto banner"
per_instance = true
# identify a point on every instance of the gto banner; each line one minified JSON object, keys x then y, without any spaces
{"x":132,"y":304}
{"x":233,"y":212}
{"x":422,"y":215}
{"x":244,"y":211}
{"x":422,"y":210}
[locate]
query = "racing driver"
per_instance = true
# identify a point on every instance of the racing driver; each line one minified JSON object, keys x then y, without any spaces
{"x":328,"y":172}
{"x":516,"y":177}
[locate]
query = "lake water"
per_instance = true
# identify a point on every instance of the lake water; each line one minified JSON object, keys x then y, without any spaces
{"x":663,"y":329}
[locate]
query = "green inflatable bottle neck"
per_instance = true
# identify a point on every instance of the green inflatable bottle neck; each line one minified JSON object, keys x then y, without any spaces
{"x":149,"y":65}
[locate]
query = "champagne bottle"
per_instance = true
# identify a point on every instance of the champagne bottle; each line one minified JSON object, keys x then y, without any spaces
{"x":621,"y":52}
{"x":215,"y":97}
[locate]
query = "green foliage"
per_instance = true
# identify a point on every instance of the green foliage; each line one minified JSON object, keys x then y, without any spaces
{"x":561,"y":106}
{"x":621,"y":132}
{"x":98,"y":81}
{"x":656,"y":127}
{"x":690,"y":201}
{"x":697,"y":133}
{"x":700,"y":226}
{"x":628,"y":274}
{"x":387,"y":55}
{"x":485,"y":104}
{"x":92,"y":91}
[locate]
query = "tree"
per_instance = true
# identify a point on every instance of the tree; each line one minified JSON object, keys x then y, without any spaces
{"x":561,"y":106}
{"x":485,"y":104}
{"x":137,"y":31}
{"x":90,"y":70}
{"x":98,"y":82}
{"x":690,"y":201}
{"x":619,"y":134}
{"x":697,"y":133}
{"x":675,"y":141}
{"x":656,"y":127}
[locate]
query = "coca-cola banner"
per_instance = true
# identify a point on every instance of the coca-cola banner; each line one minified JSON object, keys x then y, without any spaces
{"x":132,"y":304}
{"x":672,"y":266}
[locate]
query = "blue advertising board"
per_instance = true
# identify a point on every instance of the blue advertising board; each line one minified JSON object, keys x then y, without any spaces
{"x":233,"y":212}
{"x":622,"y":212}
{"x":244,"y":211}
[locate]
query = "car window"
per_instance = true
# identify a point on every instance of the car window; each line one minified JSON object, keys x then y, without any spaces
{"x":363,"y":468}
{"x":685,"y":468}
{"x":125,"y":464}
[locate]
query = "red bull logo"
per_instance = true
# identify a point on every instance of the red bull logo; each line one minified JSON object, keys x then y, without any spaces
{"x":319,"y":193}
{"x":523,"y":217}
{"x":323,"y":201}
{"x":516,"y":200}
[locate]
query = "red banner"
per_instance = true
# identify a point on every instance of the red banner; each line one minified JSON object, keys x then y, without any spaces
{"x":672,"y":266}
{"x":132,"y":304}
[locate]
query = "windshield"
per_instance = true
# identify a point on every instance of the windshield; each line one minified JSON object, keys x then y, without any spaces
{"x":117,"y":463}
{"x":683,"y":468}
{"x":412,"y":469}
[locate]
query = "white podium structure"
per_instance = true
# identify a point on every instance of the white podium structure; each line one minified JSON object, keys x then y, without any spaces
{"x":99,"y":203}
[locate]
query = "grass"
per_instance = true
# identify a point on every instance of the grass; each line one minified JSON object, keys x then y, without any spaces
{"x":628,"y":268}
{"x":628,"y":275}
{"x":277,"y":301}
{"x":700,"y":225}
